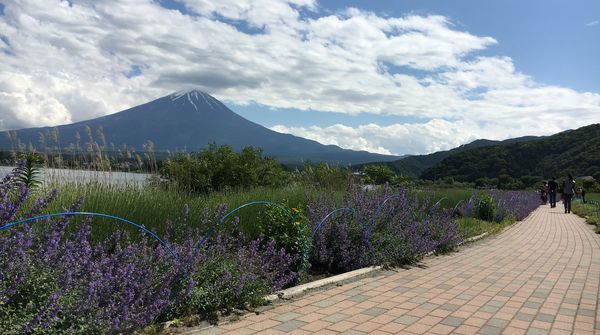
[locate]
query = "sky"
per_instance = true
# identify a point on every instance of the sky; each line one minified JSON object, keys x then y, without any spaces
{"x":393,"y":77}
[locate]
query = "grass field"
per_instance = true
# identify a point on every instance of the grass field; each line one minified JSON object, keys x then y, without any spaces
{"x":590,"y":212}
{"x":153,"y":206}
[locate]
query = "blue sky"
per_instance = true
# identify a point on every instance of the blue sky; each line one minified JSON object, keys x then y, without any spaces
{"x":395,"y":77}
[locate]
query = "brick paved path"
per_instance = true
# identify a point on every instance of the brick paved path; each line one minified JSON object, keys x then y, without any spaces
{"x":540,"y":276}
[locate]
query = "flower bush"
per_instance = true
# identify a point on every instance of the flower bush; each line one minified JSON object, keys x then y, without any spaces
{"x":499,"y":205}
{"x":287,"y":227}
{"x":233,"y":273}
{"x":383,"y":228}
{"x":53,"y":279}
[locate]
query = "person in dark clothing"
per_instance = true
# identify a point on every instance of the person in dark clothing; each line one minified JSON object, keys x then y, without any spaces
{"x":568,"y":191}
{"x":544,"y":193}
{"x":583,"y":195}
{"x":552,"y":187}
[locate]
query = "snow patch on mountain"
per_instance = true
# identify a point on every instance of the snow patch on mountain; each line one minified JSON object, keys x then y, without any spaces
{"x":195,"y":96}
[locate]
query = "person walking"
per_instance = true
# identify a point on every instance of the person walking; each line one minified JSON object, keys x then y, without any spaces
{"x":544,"y":193}
{"x":568,"y":191}
{"x":552,"y":187}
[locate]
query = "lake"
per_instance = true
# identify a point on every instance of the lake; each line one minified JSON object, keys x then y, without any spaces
{"x":85,"y":176}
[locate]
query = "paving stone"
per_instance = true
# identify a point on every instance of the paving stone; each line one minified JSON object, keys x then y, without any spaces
{"x":407,"y":320}
{"x":353,"y":292}
{"x":506,"y":293}
{"x":335,"y":318}
{"x":290,"y":325}
{"x":490,"y":330}
{"x":359,"y":298}
{"x":572,"y":301}
{"x":429,"y":306}
{"x":287,"y":316}
{"x":545,"y":317}
{"x":489,"y":309}
{"x":537,"y":331}
{"x":567,"y":311}
{"x":211,"y":331}
{"x":534,"y":305}
{"x":324,"y":303}
{"x":375,"y":311}
{"x":453,"y":321}
{"x":586,"y":312}
{"x":352,"y":332}
{"x":450,"y":307}
{"x":497,"y":323}
{"x":495,"y":303}
{"x":444,"y":286}
{"x":524,"y":317}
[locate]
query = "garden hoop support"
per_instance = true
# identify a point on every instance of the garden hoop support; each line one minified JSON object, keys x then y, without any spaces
{"x":210,"y":231}
{"x":92,"y":214}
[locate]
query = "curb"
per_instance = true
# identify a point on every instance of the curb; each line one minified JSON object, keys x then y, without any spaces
{"x":299,"y":290}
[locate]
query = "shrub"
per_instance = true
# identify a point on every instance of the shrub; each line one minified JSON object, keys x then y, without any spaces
{"x":220,"y":168}
{"x":289,"y":232}
{"x":323,"y":175}
{"x":486,"y":207}
{"x":397,"y":233}
{"x":233,"y":273}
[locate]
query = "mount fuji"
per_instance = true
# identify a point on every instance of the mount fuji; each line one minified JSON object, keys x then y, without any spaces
{"x":187,"y":121}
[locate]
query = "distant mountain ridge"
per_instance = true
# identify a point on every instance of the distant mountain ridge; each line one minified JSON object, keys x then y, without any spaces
{"x":186,"y":121}
{"x":573,"y":151}
{"x":413,"y":166}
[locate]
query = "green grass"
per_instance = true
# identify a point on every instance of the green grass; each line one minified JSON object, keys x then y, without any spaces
{"x":448,"y":197}
{"x":591,"y":213}
{"x":473,"y":227}
{"x":592,"y":196}
{"x":153,"y":206}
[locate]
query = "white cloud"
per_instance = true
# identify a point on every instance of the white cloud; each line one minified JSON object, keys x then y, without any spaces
{"x":592,"y":23}
{"x":395,"y":139}
{"x":62,"y":63}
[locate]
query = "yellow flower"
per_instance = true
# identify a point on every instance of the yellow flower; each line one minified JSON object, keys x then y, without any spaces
{"x":297,"y":222}
{"x":295,"y":210}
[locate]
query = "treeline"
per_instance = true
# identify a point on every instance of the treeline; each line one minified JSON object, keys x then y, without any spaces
{"x":575,"y":151}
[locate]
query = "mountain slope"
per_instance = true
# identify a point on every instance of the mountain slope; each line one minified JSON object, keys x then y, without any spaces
{"x":413,"y":166}
{"x":573,"y":151}
{"x":187,"y":121}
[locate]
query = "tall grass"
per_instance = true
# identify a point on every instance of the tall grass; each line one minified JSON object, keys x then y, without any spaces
{"x":447,"y":197}
{"x":153,"y":206}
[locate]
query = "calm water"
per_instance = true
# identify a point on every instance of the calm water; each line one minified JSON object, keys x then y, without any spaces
{"x":84,"y":176}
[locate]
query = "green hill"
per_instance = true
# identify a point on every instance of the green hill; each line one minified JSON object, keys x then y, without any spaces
{"x":413,"y":166}
{"x":573,"y":151}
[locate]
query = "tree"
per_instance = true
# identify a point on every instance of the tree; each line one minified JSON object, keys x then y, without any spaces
{"x":379,"y":174}
{"x":219,"y":168}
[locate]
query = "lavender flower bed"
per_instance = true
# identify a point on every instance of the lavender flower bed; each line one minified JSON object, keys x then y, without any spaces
{"x":53,"y":279}
{"x":385,"y":227}
{"x":498,"y":205}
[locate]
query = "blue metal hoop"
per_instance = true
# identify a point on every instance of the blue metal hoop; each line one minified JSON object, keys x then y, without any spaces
{"x":138,"y":226}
